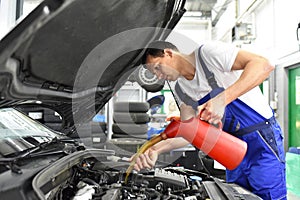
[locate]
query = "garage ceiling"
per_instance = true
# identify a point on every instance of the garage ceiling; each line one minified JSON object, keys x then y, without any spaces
{"x":202,"y":8}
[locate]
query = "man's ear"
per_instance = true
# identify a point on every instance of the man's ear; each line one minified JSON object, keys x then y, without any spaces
{"x":168,"y":52}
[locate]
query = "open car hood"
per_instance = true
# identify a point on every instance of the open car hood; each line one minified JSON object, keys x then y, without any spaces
{"x":72,"y":55}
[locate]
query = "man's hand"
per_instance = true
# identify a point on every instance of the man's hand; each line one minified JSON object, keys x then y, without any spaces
{"x":213,"y":110}
{"x":146,"y":160}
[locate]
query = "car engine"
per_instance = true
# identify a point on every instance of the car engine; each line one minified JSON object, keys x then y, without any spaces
{"x":85,"y":175}
{"x":91,"y":180}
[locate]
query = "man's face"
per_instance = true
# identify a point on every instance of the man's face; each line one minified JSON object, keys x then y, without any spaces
{"x":162,"y":67}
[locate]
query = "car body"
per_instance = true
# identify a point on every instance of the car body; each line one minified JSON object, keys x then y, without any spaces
{"x":72,"y":56}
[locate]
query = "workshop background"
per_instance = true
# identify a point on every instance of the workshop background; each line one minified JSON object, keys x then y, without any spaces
{"x":268,"y":27}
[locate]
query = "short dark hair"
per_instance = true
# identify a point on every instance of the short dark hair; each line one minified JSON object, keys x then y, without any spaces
{"x":156,"y":49}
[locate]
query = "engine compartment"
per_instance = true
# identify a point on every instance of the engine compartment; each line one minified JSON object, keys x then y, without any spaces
{"x":90,"y":174}
{"x":93,"y":180}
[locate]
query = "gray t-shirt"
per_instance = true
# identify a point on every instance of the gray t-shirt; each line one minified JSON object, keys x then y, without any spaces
{"x":219,"y":58}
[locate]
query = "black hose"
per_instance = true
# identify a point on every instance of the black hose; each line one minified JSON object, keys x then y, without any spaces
{"x":173,"y":94}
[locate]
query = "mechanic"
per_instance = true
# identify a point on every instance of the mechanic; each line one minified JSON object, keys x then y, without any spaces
{"x":219,"y":83}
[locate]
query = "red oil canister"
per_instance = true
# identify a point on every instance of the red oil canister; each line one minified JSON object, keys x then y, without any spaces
{"x":219,"y":145}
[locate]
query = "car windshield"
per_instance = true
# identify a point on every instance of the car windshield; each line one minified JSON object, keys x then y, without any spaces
{"x":19,"y":132}
{"x":15,"y":124}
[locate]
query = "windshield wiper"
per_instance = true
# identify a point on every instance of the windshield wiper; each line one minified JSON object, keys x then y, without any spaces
{"x":35,"y":151}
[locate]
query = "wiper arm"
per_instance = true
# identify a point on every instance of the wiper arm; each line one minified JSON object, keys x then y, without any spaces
{"x":67,"y":150}
{"x":4,"y":161}
{"x":12,"y":162}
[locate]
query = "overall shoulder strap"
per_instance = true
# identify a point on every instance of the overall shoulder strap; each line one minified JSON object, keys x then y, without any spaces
{"x":184,"y":97}
{"x":208,"y":74}
{"x":211,"y":81}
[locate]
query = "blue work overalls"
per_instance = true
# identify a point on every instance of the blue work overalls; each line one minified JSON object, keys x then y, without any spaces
{"x":262,"y":171}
